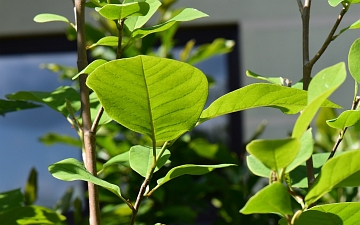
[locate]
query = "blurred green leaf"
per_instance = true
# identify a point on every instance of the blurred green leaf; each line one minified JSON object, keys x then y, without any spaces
{"x":7,"y":106}
{"x":30,"y":192}
{"x":55,"y":138}
{"x":204,"y":149}
{"x":354,"y":59}
{"x":64,"y":203}
{"x":10,"y":199}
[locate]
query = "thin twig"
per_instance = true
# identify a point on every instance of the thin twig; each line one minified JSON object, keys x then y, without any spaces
{"x":97,"y":120}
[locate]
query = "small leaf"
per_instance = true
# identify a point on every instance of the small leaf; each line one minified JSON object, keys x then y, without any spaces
{"x":271,"y":199}
{"x":30,"y":193}
{"x":160,"y":97}
{"x":334,"y":3}
{"x":11,"y":199}
{"x":47,"y":17}
{"x":190,"y":170}
{"x":7,"y":106}
{"x":353,"y":60}
{"x":71,"y":169}
{"x":288,"y":100}
{"x":64,"y":203}
{"x":334,"y":171}
{"x":274,"y":80}
{"x":136,"y":22}
{"x":141,"y":159}
{"x":275,"y":154}
{"x":55,"y":138}
{"x":355,"y":25}
{"x":121,"y":159}
{"x":353,"y":1}
{"x":90,"y":68}
{"x":321,"y":87}
{"x":55,"y":100}
{"x":257,"y":167}
{"x":117,"y":11}
{"x":106,"y":41}
{"x":344,"y":213}
{"x":346,"y":119}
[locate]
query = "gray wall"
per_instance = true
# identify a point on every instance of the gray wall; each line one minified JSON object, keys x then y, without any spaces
{"x":270,"y":39}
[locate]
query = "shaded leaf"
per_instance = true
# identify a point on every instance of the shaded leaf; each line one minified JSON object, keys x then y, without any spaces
{"x":48,"y":17}
{"x":257,"y":167}
{"x":136,"y":22}
{"x":160,"y":97}
{"x":30,"y":192}
{"x":64,"y":203}
{"x":55,"y":138}
{"x":7,"y":106}
{"x":90,"y":68}
{"x":117,"y":11}
{"x":71,"y":169}
{"x":275,"y":154}
{"x":321,"y":87}
{"x":141,"y":159}
{"x":336,"y":170}
{"x":271,"y":199}
{"x":288,"y":100}
{"x":353,"y":60}
{"x":346,"y":119}
{"x":11,"y":199}
{"x":55,"y":100}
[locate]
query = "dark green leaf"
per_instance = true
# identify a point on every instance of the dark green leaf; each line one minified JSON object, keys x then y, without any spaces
{"x":7,"y":106}
{"x":30,"y":193}
{"x":64,"y":203}
{"x":11,"y":199}
{"x":55,"y":138}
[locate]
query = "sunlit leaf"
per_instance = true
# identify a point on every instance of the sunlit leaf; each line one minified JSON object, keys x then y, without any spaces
{"x":71,"y":169}
{"x":271,"y":199}
{"x":47,"y":17}
{"x":353,"y":60}
{"x":160,"y":97}
{"x":334,"y":3}
{"x":106,"y":41}
{"x":306,"y":150}
{"x":121,"y":11}
{"x":141,"y":159}
{"x":90,"y":68}
{"x":321,"y":87}
{"x":334,"y":171}
{"x":274,"y":154}
{"x":274,"y":80}
{"x":7,"y":106}
{"x":346,"y":119}
{"x":136,"y":22}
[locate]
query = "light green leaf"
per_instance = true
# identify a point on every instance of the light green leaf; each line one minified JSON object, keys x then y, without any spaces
{"x":106,"y":41}
{"x":204,"y":148}
{"x":257,"y":167}
{"x":7,"y":106}
{"x":31,"y":215}
{"x":321,"y":87}
{"x":160,"y":97}
{"x":91,"y":67}
{"x":355,"y":25}
{"x":118,"y":12}
{"x":275,"y":154}
{"x":47,"y":17}
{"x":353,"y":1}
{"x":136,"y":22}
{"x":55,"y":100}
{"x":11,"y":199}
{"x":288,"y":100}
{"x":354,"y":59}
{"x":190,"y":169}
{"x":218,"y":47}
{"x":334,"y":171}
{"x":334,"y":3}
{"x":121,"y":159}
{"x":71,"y":169}
{"x":187,"y":14}
{"x":346,"y":119}
{"x":274,"y":80}
{"x":141,"y":159}
{"x":271,"y":199}
{"x":345,"y":213}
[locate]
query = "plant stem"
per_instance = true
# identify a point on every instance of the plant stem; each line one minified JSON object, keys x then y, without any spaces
{"x":89,"y":137}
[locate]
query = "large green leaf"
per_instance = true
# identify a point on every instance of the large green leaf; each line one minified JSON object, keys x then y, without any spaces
{"x":47,"y":17}
{"x":354,"y":59}
{"x":136,"y":22}
{"x":141,"y":159}
{"x":7,"y":106}
{"x":271,"y":199}
{"x":275,"y":154}
{"x":345,"y":213}
{"x":30,"y":215}
{"x":160,"y":97}
{"x":190,"y":170}
{"x":71,"y":169}
{"x":55,"y":100}
{"x":11,"y":199}
{"x":334,"y":171}
{"x":187,"y":14}
{"x":346,"y":119}
{"x":321,"y":87}
{"x":288,"y":100}
{"x":117,"y":11}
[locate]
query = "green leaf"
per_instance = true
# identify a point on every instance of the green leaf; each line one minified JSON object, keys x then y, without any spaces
{"x":106,"y":41}
{"x":30,"y":193}
{"x":217,"y":47}
{"x":346,"y":119}
{"x":334,"y":3}
{"x":345,"y":213}
{"x":355,"y":25}
{"x":288,"y":100}
{"x":321,"y":87}
{"x":47,"y":17}
{"x":121,"y":159}
{"x":275,"y":154}
{"x":55,"y":100}
{"x":91,"y":67}
{"x":190,"y":169}
{"x":274,"y":80}
{"x":204,"y":149}
{"x":187,"y":14}
{"x":10,"y":199}
{"x":353,"y":1}
{"x":71,"y":169}
{"x":118,"y":12}
{"x":55,"y":138}
{"x":64,"y":203}
{"x":257,"y":167}
{"x":136,"y":22}
{"x":160,"y":97}
{"x":271,"y":199}
{"x":7,"y":106}
{"x":334,"y":171}
{"x":141,"y":159}
{"x":95,"y":106}
{"x":353,"y":60}
{"x":30,"y":215}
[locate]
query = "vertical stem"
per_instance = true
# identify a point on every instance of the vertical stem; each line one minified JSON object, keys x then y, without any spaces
{"x":89,"y":137}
